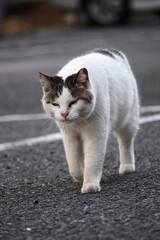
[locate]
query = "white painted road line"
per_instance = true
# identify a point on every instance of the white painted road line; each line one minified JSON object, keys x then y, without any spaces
{"x":150,"y":109}
{"x":41,"y":116}
{"x":148,"y":119}
{"x":31,"y":141}
{"x":23,"y":117}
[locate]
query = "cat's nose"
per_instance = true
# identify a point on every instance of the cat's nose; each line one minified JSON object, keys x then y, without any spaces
{"x":64,"y":114}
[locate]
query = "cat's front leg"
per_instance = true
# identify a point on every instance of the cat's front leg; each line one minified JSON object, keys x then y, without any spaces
{"x":94,"y":150}
{"x":74,"y":155}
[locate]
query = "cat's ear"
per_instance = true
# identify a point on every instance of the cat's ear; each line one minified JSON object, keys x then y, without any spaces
{"x":46,"y":82}
{"x":82,"y":78}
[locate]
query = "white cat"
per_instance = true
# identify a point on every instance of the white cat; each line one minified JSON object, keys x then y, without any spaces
{"x":90,"y":96}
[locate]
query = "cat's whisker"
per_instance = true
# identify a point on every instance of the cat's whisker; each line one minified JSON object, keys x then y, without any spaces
{"x":47,"y":124}
{"x":82,"y":120}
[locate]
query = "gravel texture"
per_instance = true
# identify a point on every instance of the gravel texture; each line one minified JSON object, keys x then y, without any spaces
{"x":39,"y":200}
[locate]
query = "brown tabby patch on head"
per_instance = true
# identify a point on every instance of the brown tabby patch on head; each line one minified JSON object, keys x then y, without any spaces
{"x":52,"y":87}
{"x":82,"y":94}
{"x":78,"y":85}
{"x":70,"y":81}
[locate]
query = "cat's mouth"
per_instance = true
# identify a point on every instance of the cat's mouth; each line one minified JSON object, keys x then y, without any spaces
{"x":65,"y":120}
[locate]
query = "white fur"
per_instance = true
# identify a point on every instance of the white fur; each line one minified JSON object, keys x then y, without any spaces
{"x":115,"y":107}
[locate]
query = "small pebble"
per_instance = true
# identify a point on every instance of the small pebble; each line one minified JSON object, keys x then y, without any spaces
{"x":8,"y":167}
{"x":35,"y":201}
{"x":28,"y":229}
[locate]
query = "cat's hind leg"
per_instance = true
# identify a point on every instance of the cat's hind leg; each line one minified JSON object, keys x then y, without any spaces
{"x":125,"y":138}
{"x":127,"y":157}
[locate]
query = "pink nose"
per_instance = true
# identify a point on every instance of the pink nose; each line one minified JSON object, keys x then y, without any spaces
{"x":64,"y":114}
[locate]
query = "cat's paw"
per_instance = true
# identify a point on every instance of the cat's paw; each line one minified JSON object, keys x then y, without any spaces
{"x":90,"y":188}
{"x":126,"y":168}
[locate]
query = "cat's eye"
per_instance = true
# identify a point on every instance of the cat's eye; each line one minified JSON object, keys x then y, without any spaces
{"x":55,"y":104}
{"x":73,"y":102}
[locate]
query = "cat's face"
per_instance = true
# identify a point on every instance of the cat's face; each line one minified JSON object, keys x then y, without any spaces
{"x":67,"y":100}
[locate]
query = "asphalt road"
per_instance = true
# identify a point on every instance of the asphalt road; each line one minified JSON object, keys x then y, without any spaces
{"x":38,"y":199}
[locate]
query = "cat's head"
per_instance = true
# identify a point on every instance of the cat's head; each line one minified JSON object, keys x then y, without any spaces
{"x":69,"y":99}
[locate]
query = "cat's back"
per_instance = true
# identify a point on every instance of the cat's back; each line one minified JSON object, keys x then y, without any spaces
{"x":96,"y":61}
{"x":108,"y":70}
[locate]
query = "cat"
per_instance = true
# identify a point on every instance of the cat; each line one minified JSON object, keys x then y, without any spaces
{"x":92,"y":95}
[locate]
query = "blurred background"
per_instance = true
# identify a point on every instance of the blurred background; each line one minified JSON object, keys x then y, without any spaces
{"x":19,"y":16}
